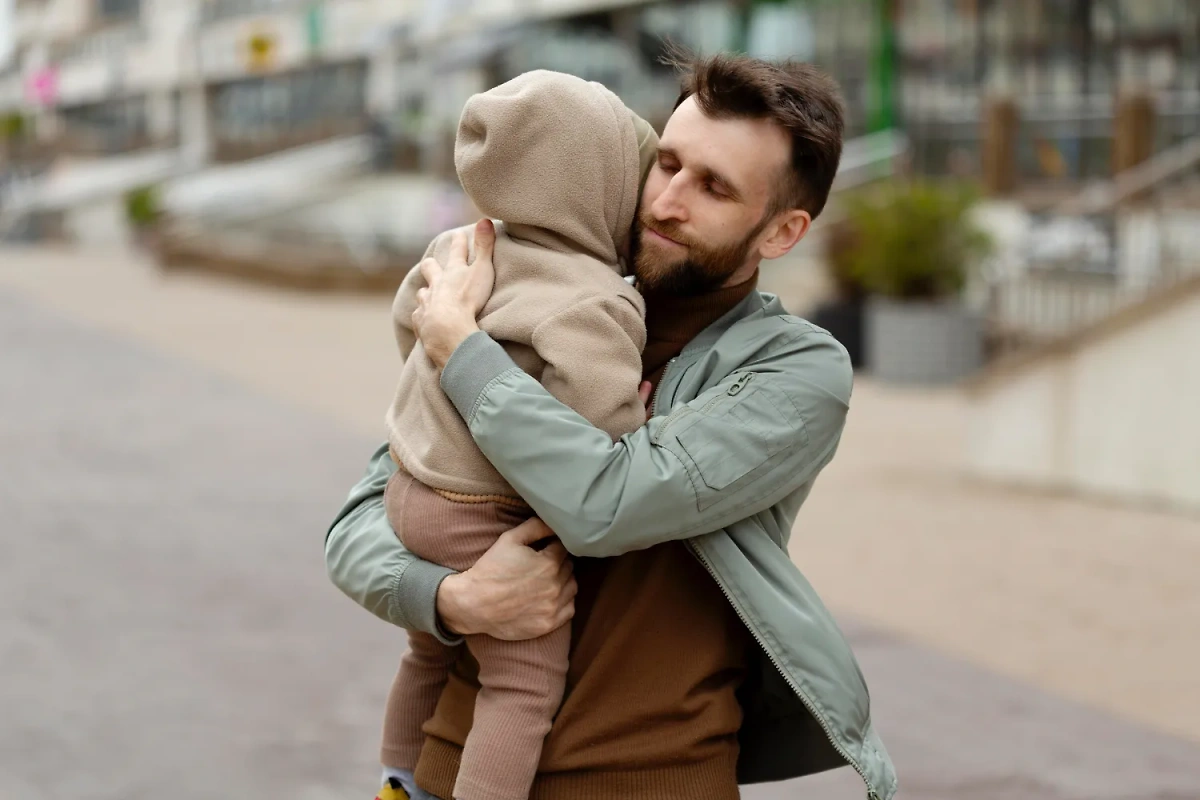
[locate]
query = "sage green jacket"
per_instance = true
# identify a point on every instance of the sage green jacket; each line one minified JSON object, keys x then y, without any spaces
{"x":743,"y":421}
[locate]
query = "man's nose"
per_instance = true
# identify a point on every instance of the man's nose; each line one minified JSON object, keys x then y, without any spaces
{"x":670,"y":204}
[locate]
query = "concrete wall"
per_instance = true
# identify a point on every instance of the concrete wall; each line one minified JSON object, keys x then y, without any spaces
{"x":101,"y":222}
{"x":1117,"y":416}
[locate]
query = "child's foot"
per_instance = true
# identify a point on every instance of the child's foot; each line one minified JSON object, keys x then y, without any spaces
{"x":392,"y":790}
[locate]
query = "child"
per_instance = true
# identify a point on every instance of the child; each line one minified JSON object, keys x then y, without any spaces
{"x":560,"y":161}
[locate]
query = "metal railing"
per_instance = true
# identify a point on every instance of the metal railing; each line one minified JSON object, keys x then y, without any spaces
{"x":1111,"y":246}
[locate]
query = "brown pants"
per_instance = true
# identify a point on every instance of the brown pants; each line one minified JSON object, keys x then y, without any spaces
{"x":521,"y":682}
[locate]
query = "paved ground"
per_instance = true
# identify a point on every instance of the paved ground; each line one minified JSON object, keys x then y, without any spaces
{"x":170,"y":452}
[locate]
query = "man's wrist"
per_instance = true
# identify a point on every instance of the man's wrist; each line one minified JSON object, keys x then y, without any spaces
{"x":475,"y":363}
{"x":441,"y":355}
{"x":452,"y":606}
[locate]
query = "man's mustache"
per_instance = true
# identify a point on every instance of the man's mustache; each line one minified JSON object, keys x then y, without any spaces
{"x":667,"y":229}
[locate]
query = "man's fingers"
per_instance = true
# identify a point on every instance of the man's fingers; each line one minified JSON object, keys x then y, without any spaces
{"x":557,"y":552}
{"x":485,"y":239}
{"x":643,"y":392}
{"x":564,"y":575}
{"x":422,"y":296}
{"x":483,"y":273}
{"x":564,"y":615}
{"x":458,"y":248}
{"x":431,"y":271}
{"x":530,"y":531}
{"x":570,"y":590}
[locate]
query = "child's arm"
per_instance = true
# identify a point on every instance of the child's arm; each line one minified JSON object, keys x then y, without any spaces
{"x":593,"y":355}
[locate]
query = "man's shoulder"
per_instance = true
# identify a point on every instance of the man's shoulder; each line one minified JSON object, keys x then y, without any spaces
{"x":792,"y":346}
{"x":779,"y":328}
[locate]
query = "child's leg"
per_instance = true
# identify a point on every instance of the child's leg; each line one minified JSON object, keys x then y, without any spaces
{"x":424,"y":668}
{"x":455,"y":534}
{"x":413,"y":699}
{"x":521,"y":689}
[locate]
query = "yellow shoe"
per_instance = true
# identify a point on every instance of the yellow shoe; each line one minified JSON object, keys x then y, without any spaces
{"x":392,"y":791}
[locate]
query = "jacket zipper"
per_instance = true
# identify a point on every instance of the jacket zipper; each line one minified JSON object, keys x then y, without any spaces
{"x":732,"y":391}
{"x":661,"y":380}
{"x":853,"y":762}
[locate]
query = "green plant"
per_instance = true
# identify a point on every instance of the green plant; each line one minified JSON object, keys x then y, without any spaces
{"x":914,"y":240}
{"x":840,"y":242}
{"x":12,"y":125}
{"x":142,"y":206}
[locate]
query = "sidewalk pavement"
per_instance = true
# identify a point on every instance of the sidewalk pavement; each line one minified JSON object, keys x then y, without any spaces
{"x":172,"y":452}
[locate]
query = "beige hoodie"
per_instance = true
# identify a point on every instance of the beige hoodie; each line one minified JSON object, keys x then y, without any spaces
{"x":560,"y":161}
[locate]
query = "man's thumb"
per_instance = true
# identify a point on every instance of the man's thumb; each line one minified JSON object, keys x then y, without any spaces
{"x":528,"y":532}
{"x":485,"y":238}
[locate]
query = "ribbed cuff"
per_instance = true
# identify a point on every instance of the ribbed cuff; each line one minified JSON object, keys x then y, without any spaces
{"x":414,"y":599}
{"x":472,"y":366}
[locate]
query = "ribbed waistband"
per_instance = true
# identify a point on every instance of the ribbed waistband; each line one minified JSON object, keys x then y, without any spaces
{"x":458,"y":497}
{"x":715,"y":779}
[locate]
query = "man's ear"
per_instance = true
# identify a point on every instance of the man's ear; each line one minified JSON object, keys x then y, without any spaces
{"x":784,"y":232}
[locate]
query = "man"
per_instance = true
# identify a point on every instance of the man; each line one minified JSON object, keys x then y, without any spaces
{"x":701,"y":658}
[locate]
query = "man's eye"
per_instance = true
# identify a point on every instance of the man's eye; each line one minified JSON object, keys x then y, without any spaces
{"x":713,"y":190}
{"x":666,"y":167}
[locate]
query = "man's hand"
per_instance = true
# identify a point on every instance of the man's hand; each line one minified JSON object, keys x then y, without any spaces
{"x":646,"y":395}
{"x":513,"y":592}
{"x":454,"y":294}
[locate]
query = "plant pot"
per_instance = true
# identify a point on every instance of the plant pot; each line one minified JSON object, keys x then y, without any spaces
{"x":148,"y":237}
{"x":922,"y":342}
{"x":843,"y":318}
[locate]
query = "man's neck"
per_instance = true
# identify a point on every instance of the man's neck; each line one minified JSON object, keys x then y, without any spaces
{"x":674,"y":320}
{"x":744,"y":273}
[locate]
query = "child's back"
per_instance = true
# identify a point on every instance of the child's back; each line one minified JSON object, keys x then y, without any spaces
{"x":560,"y":161}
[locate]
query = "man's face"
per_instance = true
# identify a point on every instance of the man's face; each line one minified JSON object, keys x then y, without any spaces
{"x":703,"y":215}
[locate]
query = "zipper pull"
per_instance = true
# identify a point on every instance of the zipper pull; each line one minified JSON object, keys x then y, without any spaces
{"x":741,"y":384}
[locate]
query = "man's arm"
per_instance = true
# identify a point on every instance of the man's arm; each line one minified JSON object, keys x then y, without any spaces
{"x":368,"y":562}
{"x":512,"y":592}
{"x":761,"y":434}
{"x":739,"y":448}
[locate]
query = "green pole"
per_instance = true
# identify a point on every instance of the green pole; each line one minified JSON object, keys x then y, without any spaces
{"x":882,"y":114}
{"x":745,"y":13}
{"x":314,"y":25}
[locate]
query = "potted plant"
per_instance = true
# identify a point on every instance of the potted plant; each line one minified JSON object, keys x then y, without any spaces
{"x":144,"y":212}
{"x":914,"y":248}
{"x":13,"y":129}
{"x":842,"y":314}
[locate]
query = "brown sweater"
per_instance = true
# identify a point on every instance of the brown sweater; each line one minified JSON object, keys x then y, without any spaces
{"x":657,"y":655}
{"x":559,"y":160}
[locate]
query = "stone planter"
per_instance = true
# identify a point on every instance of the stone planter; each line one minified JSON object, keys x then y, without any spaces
{"x":843,"y":318}
{"x":922,"y":342}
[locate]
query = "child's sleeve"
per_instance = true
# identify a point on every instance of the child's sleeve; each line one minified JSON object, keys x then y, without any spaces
{"x":593,"y":355}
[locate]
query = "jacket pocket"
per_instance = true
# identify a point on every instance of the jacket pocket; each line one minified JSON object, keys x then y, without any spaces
{"x":737,"y":432}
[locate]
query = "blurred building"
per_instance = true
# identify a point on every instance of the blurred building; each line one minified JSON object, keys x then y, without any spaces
{"x":242,"y":77}
{"x":1063,"y":63}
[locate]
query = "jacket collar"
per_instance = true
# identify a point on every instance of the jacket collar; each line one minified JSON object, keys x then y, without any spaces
{"x":756,"y":303}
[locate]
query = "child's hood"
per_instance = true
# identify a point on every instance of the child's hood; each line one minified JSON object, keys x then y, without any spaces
{"x":553,"y":151}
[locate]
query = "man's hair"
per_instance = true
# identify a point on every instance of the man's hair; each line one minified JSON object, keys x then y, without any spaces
{"x":797,"y":97}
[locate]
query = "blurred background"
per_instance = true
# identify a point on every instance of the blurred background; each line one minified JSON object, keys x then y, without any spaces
{"x":206,"y":205}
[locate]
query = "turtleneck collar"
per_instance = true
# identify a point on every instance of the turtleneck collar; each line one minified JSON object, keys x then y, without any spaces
{"x":674,"y":320}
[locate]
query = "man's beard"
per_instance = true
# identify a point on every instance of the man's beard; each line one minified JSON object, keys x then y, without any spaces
{"x":701,"y":270}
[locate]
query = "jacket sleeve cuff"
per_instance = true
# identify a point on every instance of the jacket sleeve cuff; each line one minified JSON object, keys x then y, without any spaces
{"x":473,"y":365}
{"x":414,"y":599}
